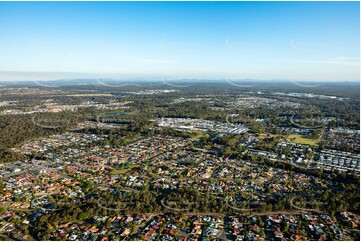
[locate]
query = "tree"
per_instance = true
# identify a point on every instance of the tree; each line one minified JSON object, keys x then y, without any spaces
{"x":82,"y":216}
{"x":1,"y":187}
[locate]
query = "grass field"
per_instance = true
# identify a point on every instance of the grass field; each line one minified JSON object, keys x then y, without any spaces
{"x":296,"y":138}
{"x":198,"y":135}
{"x":122,"y":171}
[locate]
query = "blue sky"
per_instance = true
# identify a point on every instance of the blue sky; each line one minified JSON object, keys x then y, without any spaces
{"x":212,"y":40}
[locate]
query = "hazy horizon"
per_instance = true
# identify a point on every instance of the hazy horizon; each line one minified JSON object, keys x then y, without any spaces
{"x":302,"y":41}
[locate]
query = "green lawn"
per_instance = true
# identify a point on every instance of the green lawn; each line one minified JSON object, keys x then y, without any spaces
{"x":121,"y":171}
{"x":198,"y":135}
{"x":296,"y":138}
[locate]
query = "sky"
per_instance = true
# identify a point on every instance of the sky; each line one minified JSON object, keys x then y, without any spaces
{"x":311,"y":41}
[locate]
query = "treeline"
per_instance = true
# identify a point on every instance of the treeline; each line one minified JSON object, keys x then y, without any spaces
{"x":16,"y":129}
